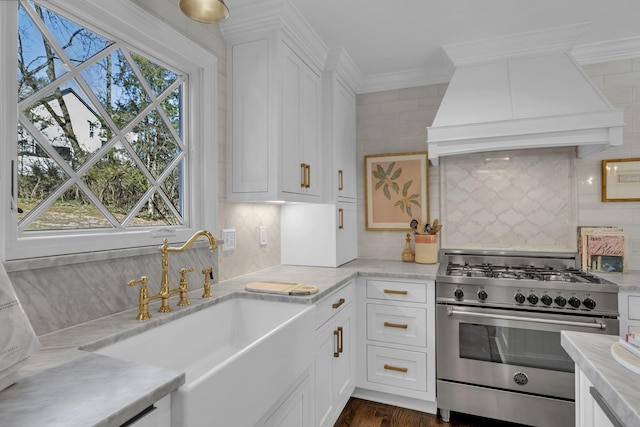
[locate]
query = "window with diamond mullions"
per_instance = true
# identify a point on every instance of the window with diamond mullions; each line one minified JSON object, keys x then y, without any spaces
{"x":100,"y":130}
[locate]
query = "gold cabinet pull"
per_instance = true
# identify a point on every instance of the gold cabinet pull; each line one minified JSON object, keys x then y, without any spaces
{"x":303,"y":180}
{"x":340,"y":341}
{"x":338,"y":304}
{"x":341,"y":216}
{"x":395,"y":368}
{"x":393,"y":291}
{"x":340,"y":180}
{"x":336,"y":343}
{"x":307,"y":169}
{"x":396,"y":325}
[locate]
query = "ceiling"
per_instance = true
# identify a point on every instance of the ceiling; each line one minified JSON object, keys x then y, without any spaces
{"x":400,"y":42}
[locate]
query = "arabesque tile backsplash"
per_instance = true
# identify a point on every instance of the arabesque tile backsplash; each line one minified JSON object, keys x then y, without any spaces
{"x":510,"y":200}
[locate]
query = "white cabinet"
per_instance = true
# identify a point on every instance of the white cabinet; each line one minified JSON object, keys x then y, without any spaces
{"x":629,"y":306}
{"x":327,"y":234}
{"x":335,"y":355}
{"x":396,"y":341}
{"x":323,"y":235}
{"x":591,"y":409}
{"x":301,"y":120}
{"x":275,"y":118}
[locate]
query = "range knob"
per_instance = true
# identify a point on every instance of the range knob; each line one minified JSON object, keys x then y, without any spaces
{"x":482,"y":295}
{"x":589,"y":303}
{"x":532,"y":298}
{"x":546,"y":299}
{"x":561,"y":301}
{"x":574,"y":302}
{"x":519,"y":297}
{"x":458,"y":293}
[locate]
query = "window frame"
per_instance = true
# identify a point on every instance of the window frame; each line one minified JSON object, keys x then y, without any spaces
{"x":147,"y":34}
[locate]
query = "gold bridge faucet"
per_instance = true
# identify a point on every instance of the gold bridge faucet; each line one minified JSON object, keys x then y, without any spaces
{"x":165,"y":288}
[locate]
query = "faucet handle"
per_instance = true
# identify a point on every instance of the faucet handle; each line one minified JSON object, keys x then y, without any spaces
{"x":208,"y":273}
{"x":143,"y":304}
{"x":184,"y":287}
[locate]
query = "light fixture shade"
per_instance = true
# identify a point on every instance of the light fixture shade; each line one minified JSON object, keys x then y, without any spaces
{"x":207,"y":11}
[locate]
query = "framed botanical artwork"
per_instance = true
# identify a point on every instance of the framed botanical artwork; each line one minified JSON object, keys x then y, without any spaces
{"x":396,"y":190}
{"x":621,"y":180}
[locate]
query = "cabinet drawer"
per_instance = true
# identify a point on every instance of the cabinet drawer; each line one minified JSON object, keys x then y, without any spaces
{"x":396,"y":291}
{"x":399,"y":368}
{"x":334,"y":304}
{"x":400,"y":325}
{"x":634,"y":307}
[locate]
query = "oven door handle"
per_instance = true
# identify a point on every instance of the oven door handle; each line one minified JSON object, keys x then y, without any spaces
{"x":595,"y":325}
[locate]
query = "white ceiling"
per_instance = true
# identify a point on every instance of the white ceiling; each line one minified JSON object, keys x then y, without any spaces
{"x":402,"y":39}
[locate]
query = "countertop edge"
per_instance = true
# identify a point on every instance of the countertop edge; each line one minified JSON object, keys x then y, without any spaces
{"x":592,"y":354}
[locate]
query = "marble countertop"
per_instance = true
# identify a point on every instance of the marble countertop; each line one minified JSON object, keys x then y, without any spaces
{"x":616,"y":384}
{"x":74,"y":387}
{"x":629,"y":281}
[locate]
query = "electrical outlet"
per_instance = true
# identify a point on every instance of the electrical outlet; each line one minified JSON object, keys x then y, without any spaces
{"x":229,"y":239}
{"x":263,"y":235}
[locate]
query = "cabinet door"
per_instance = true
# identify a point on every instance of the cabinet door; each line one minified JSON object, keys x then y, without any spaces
{"x":292,"y":169}
{"x":335,"y":367}
{"x":345,"y":140}
{"x":343,"y":373}
{"x":346,"y":233}
{"x":327,"y":345}
{"x":248,"y":151}
{"x":300,"y":127}
{"x":310,"y":119}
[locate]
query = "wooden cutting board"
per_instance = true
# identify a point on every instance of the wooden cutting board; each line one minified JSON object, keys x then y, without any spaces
{"x":282,"y":288}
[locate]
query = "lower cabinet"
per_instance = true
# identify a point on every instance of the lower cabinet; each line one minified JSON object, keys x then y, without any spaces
{"x":591,"y":409}
{"x":335,"y":355}
{"x":396,"y":342}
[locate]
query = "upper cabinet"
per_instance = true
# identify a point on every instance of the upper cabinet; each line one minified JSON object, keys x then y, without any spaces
{"x":275,"y":62}
{"x":340,"y":128}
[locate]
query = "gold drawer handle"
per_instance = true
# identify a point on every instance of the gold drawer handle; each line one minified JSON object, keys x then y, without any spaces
{"x":340,"y":341}
{"x":303,"y":181}
{"x":307,"y":169}
{"x":395,"y":368}
{"x":338,"y":304}
{"x":340,"y":180}
{"x":341,"y":219}
{"x":336,"y":343}
{"x":393,"y":291}
{"x":396,"y":325}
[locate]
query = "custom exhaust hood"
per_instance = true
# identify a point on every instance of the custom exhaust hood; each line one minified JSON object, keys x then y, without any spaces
{"x":519,"y":92}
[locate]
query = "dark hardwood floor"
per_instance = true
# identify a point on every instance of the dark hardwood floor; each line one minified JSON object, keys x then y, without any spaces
{"x":364,"y":413}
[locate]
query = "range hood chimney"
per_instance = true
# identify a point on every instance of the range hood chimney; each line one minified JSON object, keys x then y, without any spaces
{"x":522,"y":91}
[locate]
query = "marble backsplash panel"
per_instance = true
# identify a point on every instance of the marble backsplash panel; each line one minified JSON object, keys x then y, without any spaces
{"x":521,"y":200}
{"x":62,"y":291}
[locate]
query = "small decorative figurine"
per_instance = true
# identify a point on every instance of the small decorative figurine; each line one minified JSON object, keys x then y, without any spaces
{"x":407,"y":254}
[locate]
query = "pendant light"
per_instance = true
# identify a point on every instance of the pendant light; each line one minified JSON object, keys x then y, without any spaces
{"x":206,"y":11}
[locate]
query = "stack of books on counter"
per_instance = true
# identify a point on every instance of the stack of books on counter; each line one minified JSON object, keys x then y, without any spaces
{"x":602,"y":249}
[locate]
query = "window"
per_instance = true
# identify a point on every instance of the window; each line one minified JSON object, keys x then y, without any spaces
{"x":108,"y":145}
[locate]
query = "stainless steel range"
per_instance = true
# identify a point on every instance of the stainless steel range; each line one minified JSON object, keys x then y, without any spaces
{"x":498,"y":321}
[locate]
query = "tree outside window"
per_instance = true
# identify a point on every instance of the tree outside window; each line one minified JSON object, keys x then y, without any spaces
{"x":100,"y":130}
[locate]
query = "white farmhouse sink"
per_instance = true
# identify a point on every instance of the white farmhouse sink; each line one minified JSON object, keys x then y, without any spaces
{"x":239,"y":357}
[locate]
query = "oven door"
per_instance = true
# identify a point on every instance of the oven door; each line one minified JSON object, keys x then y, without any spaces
{"x":510,"y":350}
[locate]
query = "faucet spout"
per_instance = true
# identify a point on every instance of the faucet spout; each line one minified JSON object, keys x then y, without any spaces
{"x":188,"y":243}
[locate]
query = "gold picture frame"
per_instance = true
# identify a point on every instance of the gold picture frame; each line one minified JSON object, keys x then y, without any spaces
{"x":396,"y":190}
{"x":621,"y":180}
